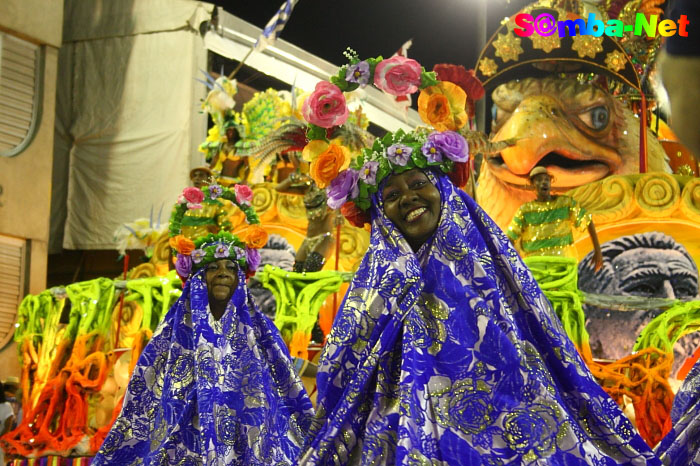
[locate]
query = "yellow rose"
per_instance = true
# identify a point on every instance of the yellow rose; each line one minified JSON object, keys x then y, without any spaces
{"x":313,"y":149}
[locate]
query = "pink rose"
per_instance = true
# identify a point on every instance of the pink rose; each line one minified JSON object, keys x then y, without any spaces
{"x":193,"y":195}
{"x":325,"y":107}
{"x":397,"y":75}
{"x":243,"y":194}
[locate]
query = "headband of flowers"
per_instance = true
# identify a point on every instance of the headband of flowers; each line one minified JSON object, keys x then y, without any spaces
{"x":193,"y":255}
{"x":443,"y":104}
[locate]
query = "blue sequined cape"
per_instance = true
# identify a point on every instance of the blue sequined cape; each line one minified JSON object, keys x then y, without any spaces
{"x":681,"y":446}
{"x":208,"y":392}
{"x":453,"y":356}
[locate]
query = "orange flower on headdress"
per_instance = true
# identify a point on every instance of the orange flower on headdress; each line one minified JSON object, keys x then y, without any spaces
{"x":182,"y":244}
{"x":329,"y":164}
{"x":256,"y":237}
{"x":443,"y":106}
{"x":237,"y":219}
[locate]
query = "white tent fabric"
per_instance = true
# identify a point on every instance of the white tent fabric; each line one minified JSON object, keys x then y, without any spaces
{"x":127,"y":122}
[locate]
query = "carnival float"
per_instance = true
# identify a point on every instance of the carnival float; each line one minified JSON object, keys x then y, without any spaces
{"x":580,"y":106}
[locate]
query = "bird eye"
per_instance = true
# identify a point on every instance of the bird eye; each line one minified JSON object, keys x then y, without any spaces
{"x":596,"y":118}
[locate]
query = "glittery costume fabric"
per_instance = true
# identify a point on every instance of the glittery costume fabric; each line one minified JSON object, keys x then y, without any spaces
{"x":453,"y":356}
{"x":211,"y":392}
{"x":545,"y":228}
{"x":681,"y":446}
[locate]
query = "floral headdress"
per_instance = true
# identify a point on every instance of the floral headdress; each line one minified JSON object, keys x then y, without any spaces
{"x":441,"y":104}
{"x":193,"y":255}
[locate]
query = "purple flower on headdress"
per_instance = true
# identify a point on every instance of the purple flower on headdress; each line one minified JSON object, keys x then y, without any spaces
{"x":239,"y":252}
{"x":215,"y":191}
{"x":358,"y":73}
{"x":342,"y":186}
{"x":221,"y":251}
{"x":183,"y":265}
{"x":398,"y":154}
{"x":198,"y":255}
{"x":368,"y":172}
{"x":451,"y":144}
{"x":253,"y":259}
{"x":431,"y":151}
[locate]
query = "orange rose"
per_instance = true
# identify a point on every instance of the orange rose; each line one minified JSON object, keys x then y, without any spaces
{"x":443,"y":106}
{"x":256,"y":237}
{"x":329,"y":164}
{"x":237,"y":219}
{"x":182,"y":244}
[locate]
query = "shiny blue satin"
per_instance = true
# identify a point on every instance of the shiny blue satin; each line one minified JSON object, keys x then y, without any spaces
{"x":207,"y":392}
{"x":453,"y":356}
{"x":681,"y":446}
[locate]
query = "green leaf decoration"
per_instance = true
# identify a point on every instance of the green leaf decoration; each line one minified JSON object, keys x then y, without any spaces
{"x":373,"y":62}
{"x":363,"y":203}
{"x":388,"y":140}
{"x":316,"y":132}
{"x":427,"y":79}
{"x":340,"y":81}
{"x":364,"y":190}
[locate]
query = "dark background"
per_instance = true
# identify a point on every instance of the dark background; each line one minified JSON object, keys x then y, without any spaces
{"x":443,"y":31}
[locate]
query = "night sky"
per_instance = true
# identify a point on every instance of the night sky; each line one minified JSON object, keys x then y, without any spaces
{"x":443,"y":31}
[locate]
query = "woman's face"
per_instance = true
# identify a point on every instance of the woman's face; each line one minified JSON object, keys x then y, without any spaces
{"x":412,"y":202}
{"x":222,"y":279}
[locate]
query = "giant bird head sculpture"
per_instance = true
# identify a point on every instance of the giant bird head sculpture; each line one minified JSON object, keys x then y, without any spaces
{"x":579,"y":132}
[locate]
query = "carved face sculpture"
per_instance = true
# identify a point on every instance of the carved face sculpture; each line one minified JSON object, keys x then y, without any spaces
{"x":412,"y":203}
{"x":650,"y":265}
{"x":579,"y":132}
{"x":222,"y":279}
{"x":655,"y":273}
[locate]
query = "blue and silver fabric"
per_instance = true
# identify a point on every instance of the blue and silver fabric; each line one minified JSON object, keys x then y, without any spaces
{"x":681,"y":446}
{"x":453,"y":356}
{"x":208,"y":392}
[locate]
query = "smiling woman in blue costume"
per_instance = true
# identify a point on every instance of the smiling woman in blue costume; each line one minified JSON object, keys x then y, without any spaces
{"x":444,"y":350}
{"x":215,"y":385}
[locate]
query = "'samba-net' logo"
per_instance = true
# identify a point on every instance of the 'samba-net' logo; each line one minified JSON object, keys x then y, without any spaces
{"x":546,"y":25}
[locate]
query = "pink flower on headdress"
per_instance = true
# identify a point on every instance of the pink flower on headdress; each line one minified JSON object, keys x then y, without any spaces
{"x":397,"y":75}
{"x":325,"y":107}
{"x":192,"y":196}
{"x":243,"y":194}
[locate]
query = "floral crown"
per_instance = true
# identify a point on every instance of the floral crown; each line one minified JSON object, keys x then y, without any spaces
{"x":193,"y":255}
{"x":445,"y":104}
